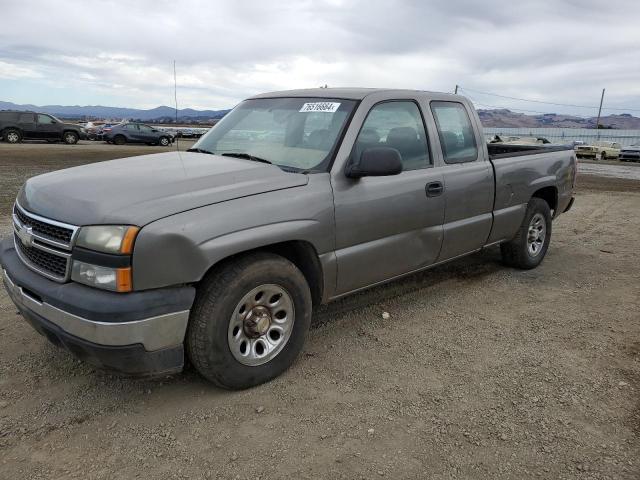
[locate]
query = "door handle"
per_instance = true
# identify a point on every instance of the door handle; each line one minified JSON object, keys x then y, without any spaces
{"x":434,"y":189}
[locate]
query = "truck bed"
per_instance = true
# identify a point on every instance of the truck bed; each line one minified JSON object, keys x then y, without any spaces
{"x":521,"y":170}
{"x":501,"y":150}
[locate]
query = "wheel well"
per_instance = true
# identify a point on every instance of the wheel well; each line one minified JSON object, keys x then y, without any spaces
{"x":299,"y":252}
{"x":549,"y":195}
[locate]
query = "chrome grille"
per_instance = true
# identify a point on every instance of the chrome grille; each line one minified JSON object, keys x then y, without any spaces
{"x":52,"y":264}
{"x":53,"y":231}
{"x":42,"y":244}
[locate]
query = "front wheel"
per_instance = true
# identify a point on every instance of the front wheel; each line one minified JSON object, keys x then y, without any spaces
{"x":249,"y":321}
{"x":164,"y":141}
{"x":529,"y":247}
{"x":70,"y":138}
{"x":603,"y":156}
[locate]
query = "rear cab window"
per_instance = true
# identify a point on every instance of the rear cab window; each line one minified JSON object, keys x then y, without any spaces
{"x":455,"y":131}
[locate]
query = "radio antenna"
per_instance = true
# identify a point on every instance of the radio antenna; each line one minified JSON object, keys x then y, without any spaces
{"x":175,"y":98}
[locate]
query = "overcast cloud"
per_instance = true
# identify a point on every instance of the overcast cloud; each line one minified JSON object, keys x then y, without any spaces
{"x":121,"y":53}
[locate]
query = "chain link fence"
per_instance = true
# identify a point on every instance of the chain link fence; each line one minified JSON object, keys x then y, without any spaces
{"x":569,"y":135}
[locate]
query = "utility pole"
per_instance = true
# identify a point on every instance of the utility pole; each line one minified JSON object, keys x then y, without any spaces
{"x":456,"y":91}
{"x":599,"y":112}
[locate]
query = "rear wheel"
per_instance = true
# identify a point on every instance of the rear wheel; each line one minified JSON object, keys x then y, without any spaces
{"x":70,"y":138}
{"x":529,"y":247}
{"x":12,"y":136}
{"x":249,"y":321}
{"x":119,"y":140}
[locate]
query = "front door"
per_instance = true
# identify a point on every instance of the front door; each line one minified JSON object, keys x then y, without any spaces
{"x":147,"y":135}
{"x":48,"y":129}
{"x":389,"y":226}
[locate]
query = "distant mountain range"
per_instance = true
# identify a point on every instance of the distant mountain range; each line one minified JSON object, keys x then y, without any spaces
{"x":506,"y":118}
{"x":98,"y":111}
{"x":490,"y":118}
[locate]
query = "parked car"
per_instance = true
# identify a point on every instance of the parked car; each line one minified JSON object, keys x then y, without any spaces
{"x":136,"y":133}
{"x":17,"y":126}
{"x":223,"y":251}
{"x":599,"y":150}
{"x":630,"y":153}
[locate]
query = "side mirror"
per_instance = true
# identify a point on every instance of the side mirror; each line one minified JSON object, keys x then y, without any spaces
{"x":375,"y":162}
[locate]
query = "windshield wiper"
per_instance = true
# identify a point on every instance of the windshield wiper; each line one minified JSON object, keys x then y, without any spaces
{"x":200,"y":150}
{"x":246,"y":156}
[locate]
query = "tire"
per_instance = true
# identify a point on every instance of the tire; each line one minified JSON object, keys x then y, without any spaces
{"x":220,"y":321}
{"x":603,"y":156}
{"x":164,"y":141}
{"x":70,"y":138}
{"x":12,"y":136}
{"x":119,"y":140}
{"x":519,"y":252}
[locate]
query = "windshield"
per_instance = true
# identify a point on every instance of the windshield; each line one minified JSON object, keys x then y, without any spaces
{"x":296,"y":133}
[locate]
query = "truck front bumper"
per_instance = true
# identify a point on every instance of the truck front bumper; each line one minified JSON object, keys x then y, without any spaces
{"x":139,"y":333}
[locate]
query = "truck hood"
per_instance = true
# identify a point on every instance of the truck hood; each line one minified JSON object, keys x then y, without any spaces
{"x":139,"y":190}
{"x":631,"y":148}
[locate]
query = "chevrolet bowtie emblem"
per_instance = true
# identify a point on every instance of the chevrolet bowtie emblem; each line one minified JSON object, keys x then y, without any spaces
{"x":25,"y":234}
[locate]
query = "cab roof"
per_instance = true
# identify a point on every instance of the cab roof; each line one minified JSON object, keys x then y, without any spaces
{"x":344,"y":93}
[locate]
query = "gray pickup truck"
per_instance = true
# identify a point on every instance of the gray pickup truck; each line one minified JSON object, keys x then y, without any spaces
{"x":294,"y":199}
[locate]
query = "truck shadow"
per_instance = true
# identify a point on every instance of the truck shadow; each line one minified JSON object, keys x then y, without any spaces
{"x":472,"y":268}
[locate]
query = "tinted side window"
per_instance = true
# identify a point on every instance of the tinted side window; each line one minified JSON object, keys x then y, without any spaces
{"x":396,"y":124}
{"x":131,"y":126}
{"x":44,"y":119}
{"x":25,"y":118}
{"x":145,"y":128}
{"x":455,"y":131}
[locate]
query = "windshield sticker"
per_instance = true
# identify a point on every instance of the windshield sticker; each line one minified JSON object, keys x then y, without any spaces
{"x":328,"y":107}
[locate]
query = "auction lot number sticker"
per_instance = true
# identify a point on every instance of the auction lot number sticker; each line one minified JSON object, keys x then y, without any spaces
{"x":328,"y":107}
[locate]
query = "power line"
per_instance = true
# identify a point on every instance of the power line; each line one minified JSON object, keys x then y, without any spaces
{"x":507,"y":108}
{"x":546,"y":103}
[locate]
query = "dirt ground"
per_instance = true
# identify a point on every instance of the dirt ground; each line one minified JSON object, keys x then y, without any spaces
{"x":481,"y":372}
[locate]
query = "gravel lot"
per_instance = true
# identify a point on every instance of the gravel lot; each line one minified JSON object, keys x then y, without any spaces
{"x":481,"y":372}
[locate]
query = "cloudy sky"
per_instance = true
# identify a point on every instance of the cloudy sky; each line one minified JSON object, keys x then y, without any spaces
{"x":120,"y":53}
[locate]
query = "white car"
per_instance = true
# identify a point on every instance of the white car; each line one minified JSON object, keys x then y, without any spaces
{"x":599,"y":150}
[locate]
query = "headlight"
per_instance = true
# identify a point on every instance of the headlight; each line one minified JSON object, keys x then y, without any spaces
{"x":114,"y":279}
{"x":116,"y":239}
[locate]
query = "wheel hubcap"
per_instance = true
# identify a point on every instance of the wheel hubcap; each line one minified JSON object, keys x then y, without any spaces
{"x":261,"y":325}
{"x":13,"y":137}
{"x":536,"y":234}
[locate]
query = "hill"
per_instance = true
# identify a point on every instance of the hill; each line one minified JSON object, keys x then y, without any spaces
{"x":490,"y":118}
{"x":98,"y":111}
{"x":506,"y":118}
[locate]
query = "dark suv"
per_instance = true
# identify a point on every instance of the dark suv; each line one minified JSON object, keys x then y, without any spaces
{"x":137,"y":133}
{"x":18,"y":126}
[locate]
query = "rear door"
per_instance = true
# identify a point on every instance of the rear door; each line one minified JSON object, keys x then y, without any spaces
{"x":388,"y":226}
{"x":27,"y":123}
{"x":132,"y":132}
{"x":47,"y":128}
{"x":468,"y":180}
